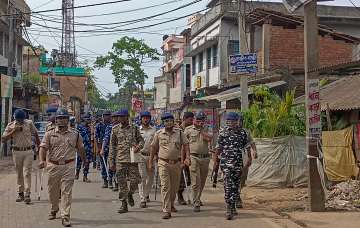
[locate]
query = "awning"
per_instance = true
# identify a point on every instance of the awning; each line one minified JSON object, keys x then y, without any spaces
{"x":235,"y":93}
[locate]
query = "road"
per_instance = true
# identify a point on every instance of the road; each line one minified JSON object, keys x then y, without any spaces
{"x":96,"y":207}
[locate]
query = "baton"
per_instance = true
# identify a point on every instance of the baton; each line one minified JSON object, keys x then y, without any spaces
{"x":41,"y":184}
{"x":156,"y":181}
{"x":187,"y":188}
{"x":107,"y":171}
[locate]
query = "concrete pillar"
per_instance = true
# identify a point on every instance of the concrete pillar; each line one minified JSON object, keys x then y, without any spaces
{"x":266,"y":40}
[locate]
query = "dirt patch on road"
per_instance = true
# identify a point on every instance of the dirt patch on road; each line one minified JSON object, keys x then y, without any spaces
{"x":279,"y":200}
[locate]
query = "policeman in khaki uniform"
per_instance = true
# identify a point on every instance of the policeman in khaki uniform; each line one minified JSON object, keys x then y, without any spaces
{"x":20,"y":132}
{"x":124,"y":138}
{"x":199,"y":139}
{"x":172,"y":149}
{"x":57,"y":152}
{"x":147,"y":178}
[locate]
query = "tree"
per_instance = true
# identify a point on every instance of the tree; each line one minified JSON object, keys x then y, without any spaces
{"x":126,"y":59}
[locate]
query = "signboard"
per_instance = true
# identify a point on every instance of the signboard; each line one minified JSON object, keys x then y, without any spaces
{"x":243,"y":64}
{"x":6,"y":86}
{"x":137,"y":104}
{"x":314,"y":109}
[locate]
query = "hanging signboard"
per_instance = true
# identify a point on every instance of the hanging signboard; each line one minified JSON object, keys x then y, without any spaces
{"x":243,"y":63}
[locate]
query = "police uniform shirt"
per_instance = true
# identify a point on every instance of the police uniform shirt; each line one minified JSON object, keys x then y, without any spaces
{"x":22,"y":138}
{"x":170,"y":143}
{"x":196,"y":141}
{"x":148,"y":135}
{"x":61,"y":146}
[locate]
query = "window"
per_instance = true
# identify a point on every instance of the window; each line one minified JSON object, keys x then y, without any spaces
{"x":201,"y":62}
{"x":208,"y":58}
{"x":233,"y":47}
{"x":187,"y":76}
{"x":55,"y":84}
{"x":193,"y":62}
{"x":215,"y":55}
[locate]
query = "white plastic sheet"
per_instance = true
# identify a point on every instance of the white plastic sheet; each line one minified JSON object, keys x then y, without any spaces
{"x":281,"y":162}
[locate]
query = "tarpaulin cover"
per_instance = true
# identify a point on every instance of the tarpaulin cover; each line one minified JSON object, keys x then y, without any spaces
{"x":339,"y":157}
{"x":281,"y":162}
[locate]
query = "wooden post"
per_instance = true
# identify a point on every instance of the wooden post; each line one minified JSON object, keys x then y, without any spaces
{"x":312,"y":102}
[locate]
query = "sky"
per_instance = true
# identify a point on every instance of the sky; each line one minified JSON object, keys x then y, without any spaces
{"x":89,"y":45}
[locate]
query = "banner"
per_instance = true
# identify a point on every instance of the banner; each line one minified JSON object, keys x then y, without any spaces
{"x":6,"y":86}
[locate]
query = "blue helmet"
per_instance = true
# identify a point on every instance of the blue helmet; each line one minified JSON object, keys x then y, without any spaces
{"x":72,"y":119}
{"x":200,"y":116}
{"x":19,"y":114}
{"x":167,"y":115}
{"x":145,"y":113}
{"x":232,"y":116}
{"x":123,"y":112}
{"x":107,"y":113}
{"x":62,"y":112}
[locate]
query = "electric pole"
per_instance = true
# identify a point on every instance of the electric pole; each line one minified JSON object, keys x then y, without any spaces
{"x":244,"y":49}
{"x":312,"y":103}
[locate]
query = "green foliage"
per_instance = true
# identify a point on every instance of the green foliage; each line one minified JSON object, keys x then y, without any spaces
{"x":272,"y":116}
{"x":33,"y":79}
{"x":126,"y":59}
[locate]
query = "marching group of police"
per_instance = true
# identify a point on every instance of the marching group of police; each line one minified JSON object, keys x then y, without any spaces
{"x":176,"y":154}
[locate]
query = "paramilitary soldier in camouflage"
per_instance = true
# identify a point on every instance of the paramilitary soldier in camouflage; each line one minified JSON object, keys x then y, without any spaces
{"x":172,"y":149}
{"x":125,"y":137}
{"x":20,"y":132}
{"x":232,"y":141}
{"x":84,"y":130}
{"x":147,"y":178}
{"x":105,"y":150}
{"x":57,"y":152}
{"x":188,"y":119}
{"x":99,"y":137}
{"x":199,"y":138}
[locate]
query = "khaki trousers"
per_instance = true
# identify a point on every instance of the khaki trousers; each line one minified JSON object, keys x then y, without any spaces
{"x":147,"y":180}
{"x":170,"y":180}
{"x":198,"y":173}
{"x":61,"y":177}
{"x":23,"y":165}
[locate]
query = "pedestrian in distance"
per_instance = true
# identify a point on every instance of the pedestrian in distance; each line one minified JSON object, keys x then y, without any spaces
{"x":124,"y":138}
{"x":199,"y":139}
{"x":147,"y":178}
{"x":57,"y":153}
{"x":231,"y":143}
{"x":21,"y":132}
{"x":85,"y":132}
{"x":172,"y":149}
{"x":100,"y":129}
{"x":188,"y":119}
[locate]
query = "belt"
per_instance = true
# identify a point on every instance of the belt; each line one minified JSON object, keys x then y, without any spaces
{"x":201,"y":155}
{"x":21,"y":148}
{"x":145,"y":154}
{"x":61,"y":162}
{"x":170,"y":161}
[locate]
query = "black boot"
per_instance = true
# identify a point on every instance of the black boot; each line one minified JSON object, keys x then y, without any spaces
{"x":124,"y":208}
{"x":110,"y":183}
{"x":105,"y":185}
{"x":234,"y":211}
{"x":27,"y":198}
{"x":116,"y":187}
{"x":77,"y":174}
{"x":20,"y":197}
{"x":181,"y":200}
{"x":131,"y":200}
{"x":228,"y":215}
{"x":85,"y":179}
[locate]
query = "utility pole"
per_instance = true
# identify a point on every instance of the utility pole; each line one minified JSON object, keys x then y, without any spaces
{"x":312,"y":102}
{"x":243,"y":50}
